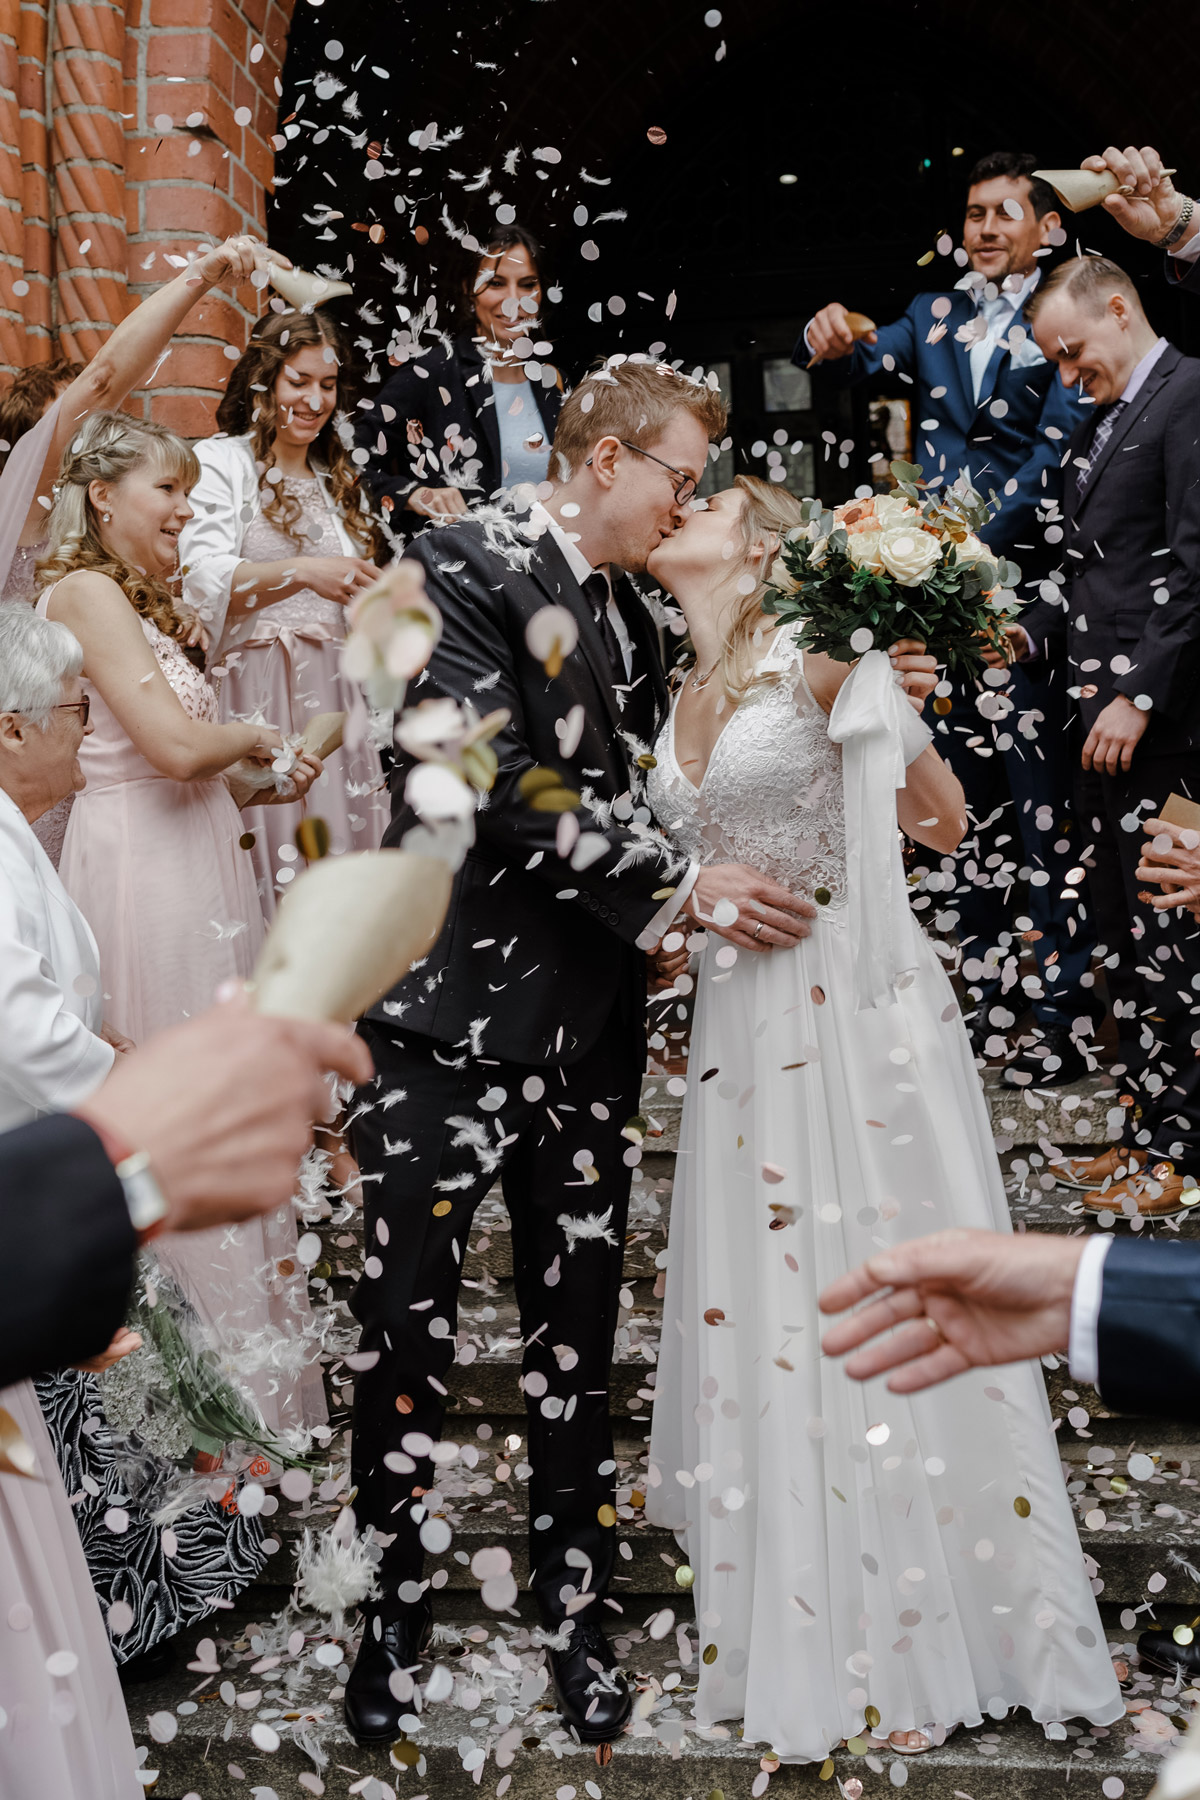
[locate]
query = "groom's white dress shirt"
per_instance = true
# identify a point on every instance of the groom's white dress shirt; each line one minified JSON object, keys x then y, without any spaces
{"x":51,"y":1000}
{"x":998,"y":314}
{"x":581,"y":569}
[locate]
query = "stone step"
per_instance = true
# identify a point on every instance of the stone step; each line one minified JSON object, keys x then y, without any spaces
{"x":493,"y":1722}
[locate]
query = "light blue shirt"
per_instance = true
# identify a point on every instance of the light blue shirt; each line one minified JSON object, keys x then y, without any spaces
{"x":518,"y":418}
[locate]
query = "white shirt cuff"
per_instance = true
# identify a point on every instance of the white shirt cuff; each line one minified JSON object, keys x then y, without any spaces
{"x":1083,"y":1351}
{"x":807,"y":340}
{"x":668,"y":911}
{"x":1188,"y":252}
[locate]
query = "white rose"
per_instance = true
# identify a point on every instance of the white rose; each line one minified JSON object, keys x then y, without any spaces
{"x":973,"y":550}
{"x":908,"y":556}
{"x":862,"y":547}
{"x":894,"y":509}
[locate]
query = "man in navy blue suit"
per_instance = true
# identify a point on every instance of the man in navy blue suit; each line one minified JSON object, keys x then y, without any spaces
{"x":987,"y":401}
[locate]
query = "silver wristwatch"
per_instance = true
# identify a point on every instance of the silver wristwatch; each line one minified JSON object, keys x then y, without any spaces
{"x":143,"y":1196}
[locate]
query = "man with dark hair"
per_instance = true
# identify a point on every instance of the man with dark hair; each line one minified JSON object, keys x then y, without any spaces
{"x":987,"y":401}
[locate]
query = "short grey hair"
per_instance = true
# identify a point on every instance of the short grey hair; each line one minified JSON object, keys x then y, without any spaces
{"x":36,"y":656}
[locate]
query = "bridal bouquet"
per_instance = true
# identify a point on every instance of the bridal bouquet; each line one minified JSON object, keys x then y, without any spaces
{"x":902,"y":565}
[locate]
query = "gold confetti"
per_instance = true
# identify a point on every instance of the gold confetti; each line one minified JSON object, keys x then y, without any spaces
{"x":1022,"y":1507}
{"x":825,"y":1772}
{"x":710,"y":1654}
{"x":312,"y":839}
{"x":656,"y":134}
{"x":857,"y":1746}
{"x":713,"y":1315}
{"x":647,"y":762}
{"x":923,"y":261}
{"x":871,"y":1715}
{"x":287,"y":1266}
{"x":942,"y":704}
{"x":607,"y":1516}
{"x":403,"y":1403}
{"x":822,"y":896}
{"x":662,"y":893}
{"x":603,"y":1753}
{"x":405,"y":1755}
{"x":637,"y":1497}
{"x":684,"y":1576}
{"x":839,"y":1494}
{"x":817,"y":996}
{"x":246,"y":841}
{"x":441,"y":1208}
{"x":16,"y":1458}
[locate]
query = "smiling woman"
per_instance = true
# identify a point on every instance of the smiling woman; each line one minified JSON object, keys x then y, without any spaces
{"x":281,"y":539}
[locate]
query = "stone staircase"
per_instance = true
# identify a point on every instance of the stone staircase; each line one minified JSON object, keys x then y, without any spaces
{"x":260,"y":1713}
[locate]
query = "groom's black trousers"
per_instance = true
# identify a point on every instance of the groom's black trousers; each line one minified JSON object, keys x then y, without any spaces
{"x":437,"y":1144}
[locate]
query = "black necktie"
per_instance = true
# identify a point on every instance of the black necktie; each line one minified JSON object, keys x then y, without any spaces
{"x":597,"y":591}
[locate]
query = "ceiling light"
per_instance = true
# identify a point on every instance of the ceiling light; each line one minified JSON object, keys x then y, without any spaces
{"x":789,"y":180}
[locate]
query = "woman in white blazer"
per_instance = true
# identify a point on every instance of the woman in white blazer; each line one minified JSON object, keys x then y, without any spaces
{"x":282,"y":538}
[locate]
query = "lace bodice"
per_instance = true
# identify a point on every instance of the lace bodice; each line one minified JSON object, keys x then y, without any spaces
{"x":772,"y":793}
{"x":264,"y":541}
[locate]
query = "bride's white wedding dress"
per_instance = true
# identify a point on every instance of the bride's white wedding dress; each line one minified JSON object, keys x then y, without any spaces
{"x":852,"y":1548}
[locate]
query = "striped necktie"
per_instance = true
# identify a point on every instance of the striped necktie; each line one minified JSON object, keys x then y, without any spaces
{"x":1104,"y":430}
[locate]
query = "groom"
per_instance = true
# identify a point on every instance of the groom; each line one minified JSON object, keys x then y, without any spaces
{"x":517,"y":1048}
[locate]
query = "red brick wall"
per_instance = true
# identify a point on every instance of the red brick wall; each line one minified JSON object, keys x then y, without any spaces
{"x":161,"y":116}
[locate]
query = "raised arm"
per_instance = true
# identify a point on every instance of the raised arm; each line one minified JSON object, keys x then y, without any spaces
{"x":851,"y":360}
{"x":128,"y":356}
{"x":120,"y":664}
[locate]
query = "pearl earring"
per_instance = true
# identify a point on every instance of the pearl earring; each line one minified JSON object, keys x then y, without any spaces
{"x":107,"y":518}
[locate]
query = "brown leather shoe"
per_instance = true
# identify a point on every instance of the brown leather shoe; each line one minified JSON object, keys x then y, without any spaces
{"x":1088,"y":1172}
{"x":1156,"y":1193}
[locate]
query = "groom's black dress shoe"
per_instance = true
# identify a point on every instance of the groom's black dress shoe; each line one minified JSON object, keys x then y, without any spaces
{"x":592,"y":1694}
{"x":372,"y":1710}
{"x":1158,"y":1650}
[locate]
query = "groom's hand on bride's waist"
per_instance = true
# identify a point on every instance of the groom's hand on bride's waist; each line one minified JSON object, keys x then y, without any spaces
{"x":748,"y":909}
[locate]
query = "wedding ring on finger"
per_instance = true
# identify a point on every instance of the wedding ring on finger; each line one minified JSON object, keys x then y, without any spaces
{"x":758,"y":929}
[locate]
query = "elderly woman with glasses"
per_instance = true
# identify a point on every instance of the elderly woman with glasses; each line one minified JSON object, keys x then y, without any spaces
{"x":52,"y":1055}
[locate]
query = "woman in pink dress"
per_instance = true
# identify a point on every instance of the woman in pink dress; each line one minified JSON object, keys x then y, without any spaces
{"x":151,"y":854}
{"x":281,"y":539}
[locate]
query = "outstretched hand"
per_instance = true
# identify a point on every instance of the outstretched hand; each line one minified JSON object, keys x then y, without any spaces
{"x":957,"y":1300}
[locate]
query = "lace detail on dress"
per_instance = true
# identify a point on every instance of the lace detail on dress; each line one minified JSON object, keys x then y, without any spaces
{"x":191,"y":685}
{"x":316,"y":536}
{"x":772,"y":793}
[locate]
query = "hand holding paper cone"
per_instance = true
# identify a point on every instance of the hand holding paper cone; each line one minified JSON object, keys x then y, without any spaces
{"x":323,"y":734}
{"x":346,"y":932}
{"x":857,"y":324}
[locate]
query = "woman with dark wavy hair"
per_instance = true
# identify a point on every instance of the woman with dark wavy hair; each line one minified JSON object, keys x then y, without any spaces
{"x":283,"y":536}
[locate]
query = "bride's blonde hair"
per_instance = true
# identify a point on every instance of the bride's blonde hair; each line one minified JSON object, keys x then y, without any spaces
{"x":107,"y":447}
{"x":769,"y":512}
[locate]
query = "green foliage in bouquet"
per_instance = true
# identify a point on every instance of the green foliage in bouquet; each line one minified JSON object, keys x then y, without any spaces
{"x":216,"y":1413}
{"x":908,"y":564}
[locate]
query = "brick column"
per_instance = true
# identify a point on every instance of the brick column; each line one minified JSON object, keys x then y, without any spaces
{"x":158,"y":138}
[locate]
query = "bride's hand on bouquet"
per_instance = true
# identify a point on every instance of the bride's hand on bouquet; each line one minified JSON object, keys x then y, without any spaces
{"x":748,"y":909}
{"x":124,"y":1344}
{"x":953,"y":1301}
{"x":916,"y":672}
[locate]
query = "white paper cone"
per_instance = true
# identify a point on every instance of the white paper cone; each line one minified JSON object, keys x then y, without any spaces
{"x":302,"y":290}
{"x":347,"y":930}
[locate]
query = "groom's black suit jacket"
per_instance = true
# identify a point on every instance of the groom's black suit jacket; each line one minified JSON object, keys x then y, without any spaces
{"x":1149,"y":1328}
{"x":535,"y":953}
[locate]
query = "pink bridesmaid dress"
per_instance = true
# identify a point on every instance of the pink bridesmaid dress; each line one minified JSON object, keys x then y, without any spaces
{"x":155,"y":867}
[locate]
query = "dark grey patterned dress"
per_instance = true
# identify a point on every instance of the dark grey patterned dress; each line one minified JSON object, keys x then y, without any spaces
{"x":215,"y":1552}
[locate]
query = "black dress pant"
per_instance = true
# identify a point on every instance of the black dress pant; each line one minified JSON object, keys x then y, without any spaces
{"x":441,"y":1125}
{"x":1153,"y":958}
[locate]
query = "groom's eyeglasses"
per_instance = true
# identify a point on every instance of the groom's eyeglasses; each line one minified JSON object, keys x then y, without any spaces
{"x":686,"y":485}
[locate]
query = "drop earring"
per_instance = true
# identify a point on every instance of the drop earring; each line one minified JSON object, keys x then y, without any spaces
{"x":107,"y":518}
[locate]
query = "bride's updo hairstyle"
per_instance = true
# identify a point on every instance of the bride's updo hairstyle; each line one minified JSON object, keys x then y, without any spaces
{"x":108,"y":447}
{"x":769,"y":512}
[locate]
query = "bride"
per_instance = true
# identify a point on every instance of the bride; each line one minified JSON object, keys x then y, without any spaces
{"x":866,"y":1564}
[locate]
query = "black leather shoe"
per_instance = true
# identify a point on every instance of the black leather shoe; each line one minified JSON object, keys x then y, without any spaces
{"x":1158,"y":1650}
{"x":151,"y":1665}
{"x":1052,"y":1060}
{"x":592,"y":1695}
{"x":372,"y":1710}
